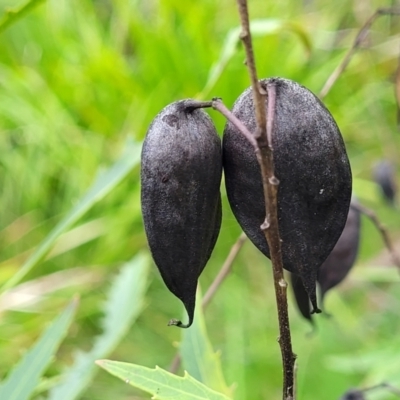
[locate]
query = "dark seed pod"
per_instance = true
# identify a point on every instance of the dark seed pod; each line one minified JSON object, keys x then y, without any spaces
{"x":314,"y":174}
{"x":353,"y":394}
{"x":301,"y":297}
{"x":385,"y":178}
{"x":181,"y":204}
{"x":344,"y":254}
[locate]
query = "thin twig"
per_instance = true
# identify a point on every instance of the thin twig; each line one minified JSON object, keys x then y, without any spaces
{"x":218,"y":105}
{"x":218,"y":280}
{"x":356,"y":44}
{"x":224,"y":271}
{"x":385,"y":236}
{"x":175,"y":363}
{"x":391,"y":388}
{"x":11,"y":15}
{"x":264,"y":153}
{"x":384,"y":385}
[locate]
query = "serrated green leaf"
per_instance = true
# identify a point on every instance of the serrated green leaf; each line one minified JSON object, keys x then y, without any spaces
{"x":100,"y":188}
{"x":260,"y":27}
{"x":22,"y":381}
{"x":161,"y":384}
{"x":125,"y":301}
{"x":198,"y":356}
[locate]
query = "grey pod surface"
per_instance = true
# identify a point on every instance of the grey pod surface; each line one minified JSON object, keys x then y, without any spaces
{"x":339,"y":263}
{"x":181,"y":172}
{"x":312,"y":167}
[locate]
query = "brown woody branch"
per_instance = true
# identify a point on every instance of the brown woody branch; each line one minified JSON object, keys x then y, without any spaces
{"x":264,"y":152}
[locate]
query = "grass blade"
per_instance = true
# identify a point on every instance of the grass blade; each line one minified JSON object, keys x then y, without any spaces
{"x":103,"y":185}
{"x":22,"y":381}
{"x":125,"y":301}
{"x":12,"y":15}
{"x":261,"y":27}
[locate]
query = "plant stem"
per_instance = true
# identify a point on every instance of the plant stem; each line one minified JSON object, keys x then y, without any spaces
{"x":264,"y":152}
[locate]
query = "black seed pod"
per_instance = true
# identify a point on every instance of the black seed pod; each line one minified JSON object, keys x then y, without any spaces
{"x":314,"y":174}
{"x":338,"y":264}
{"x":384,"y":176}
{"x":181,"y":204}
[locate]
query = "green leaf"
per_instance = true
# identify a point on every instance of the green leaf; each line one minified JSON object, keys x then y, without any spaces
{"x":198,"y":356}
{"x":161,"y":384}
{"x":22,"y":381}
{"x":103,"y":185}
{"x":366,"y":190}
{"x":376,"y":274}
{"x":12,"y":15}
{"x":260,"y":27}
{"x":382,"y":364}
{"x":125,"y":301}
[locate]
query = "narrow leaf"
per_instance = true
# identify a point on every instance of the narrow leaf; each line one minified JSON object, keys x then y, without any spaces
{"x":23,"y":379}
{"x":125,"y":301}
{"x":10,"y":16}
{"x":261,"y":27}
{"x":100,"y":188}
{"x":161,"y":384}
{"x":198,"y":356}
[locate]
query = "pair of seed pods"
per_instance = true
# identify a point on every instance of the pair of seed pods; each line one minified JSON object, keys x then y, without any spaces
{"x":181,"y":171}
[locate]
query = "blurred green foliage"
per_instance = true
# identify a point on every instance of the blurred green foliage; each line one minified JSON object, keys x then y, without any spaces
{"x":79,"y":77}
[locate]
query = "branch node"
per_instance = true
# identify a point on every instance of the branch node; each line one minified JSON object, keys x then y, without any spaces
{"x":258,"y":133}
{"x":262,"y":91}
{"x":274,"y":180}
{"x":265,"y":225}
{"x":282,"y":283}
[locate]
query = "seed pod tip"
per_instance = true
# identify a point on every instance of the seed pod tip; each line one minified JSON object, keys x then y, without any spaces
{"x":179,"y":324}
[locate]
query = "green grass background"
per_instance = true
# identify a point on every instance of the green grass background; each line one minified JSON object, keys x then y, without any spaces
{"x":80,"y":77}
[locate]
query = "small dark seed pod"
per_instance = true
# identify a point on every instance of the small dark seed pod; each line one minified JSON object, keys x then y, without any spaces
{"x":181,"y":203}
{"x":384,"y":176}
{"x":312,"y":167}
{"x":353,"y":394}
{"x":338,"y":264}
